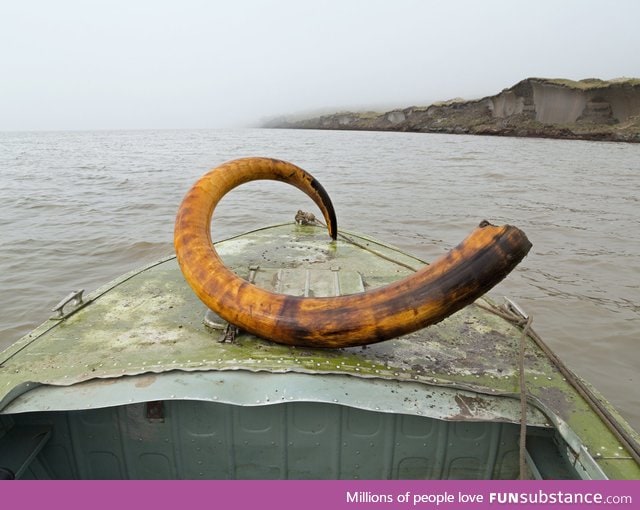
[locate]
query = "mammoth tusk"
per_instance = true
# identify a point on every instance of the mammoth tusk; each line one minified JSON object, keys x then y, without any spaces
{"x":426,"y":297}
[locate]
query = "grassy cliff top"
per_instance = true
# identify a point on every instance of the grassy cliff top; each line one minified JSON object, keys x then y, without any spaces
{"x":588,"y":83}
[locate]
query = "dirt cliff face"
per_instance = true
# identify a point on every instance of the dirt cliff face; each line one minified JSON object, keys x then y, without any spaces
{"x":589,"y":109}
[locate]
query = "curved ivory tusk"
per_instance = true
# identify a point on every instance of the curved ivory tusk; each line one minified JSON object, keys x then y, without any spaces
{"x":433,"y":293}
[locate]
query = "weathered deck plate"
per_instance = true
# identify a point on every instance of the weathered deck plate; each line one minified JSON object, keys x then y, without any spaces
{"x":150,"y":322}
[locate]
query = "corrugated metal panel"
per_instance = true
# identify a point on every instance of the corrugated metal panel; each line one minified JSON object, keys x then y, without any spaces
{"x":295,"y":440}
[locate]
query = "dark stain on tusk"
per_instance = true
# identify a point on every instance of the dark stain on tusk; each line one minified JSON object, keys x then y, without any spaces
{"x":433,"y":293}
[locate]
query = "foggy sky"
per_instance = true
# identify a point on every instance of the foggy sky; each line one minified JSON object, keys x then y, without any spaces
{"x":72,"y":64}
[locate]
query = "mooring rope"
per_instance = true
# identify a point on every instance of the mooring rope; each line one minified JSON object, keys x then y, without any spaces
{"x":523,"y":401}
{"x":306,"y":218}
{"x":630,"y":444}
{"x":621,"y":434}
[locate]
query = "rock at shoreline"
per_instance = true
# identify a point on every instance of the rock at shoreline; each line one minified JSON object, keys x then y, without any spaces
{"x":589,"y":109}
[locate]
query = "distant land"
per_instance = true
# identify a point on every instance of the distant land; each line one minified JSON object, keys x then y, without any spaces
{"x":590,"y":109}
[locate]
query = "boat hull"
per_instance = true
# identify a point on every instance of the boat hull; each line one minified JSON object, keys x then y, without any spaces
{"x":140,"y":380}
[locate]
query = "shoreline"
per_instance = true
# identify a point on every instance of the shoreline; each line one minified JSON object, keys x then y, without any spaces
{"x":596,"y":137}
{"x":592,"y":109}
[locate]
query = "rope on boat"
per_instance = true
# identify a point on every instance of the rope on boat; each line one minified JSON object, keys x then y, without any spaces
{"x":630,"y":443}
{"x":523,"y":401}
{"x":621,"y":434}
{"x":305,"y":218}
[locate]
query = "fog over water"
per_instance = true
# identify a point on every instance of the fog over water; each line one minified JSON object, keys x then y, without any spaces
{"x":118,"y":64}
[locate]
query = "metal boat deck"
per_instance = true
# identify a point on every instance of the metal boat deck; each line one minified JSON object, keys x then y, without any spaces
{"x":146,"y":337}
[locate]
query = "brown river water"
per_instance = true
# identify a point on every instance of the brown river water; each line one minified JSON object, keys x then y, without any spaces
{"x":78,"y":209}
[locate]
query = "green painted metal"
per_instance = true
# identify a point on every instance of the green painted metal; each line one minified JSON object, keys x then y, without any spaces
{"x":240,"y":387}
{"x":20,"y":446}
{"x":149,"y":323}
{"x":295,"y":440}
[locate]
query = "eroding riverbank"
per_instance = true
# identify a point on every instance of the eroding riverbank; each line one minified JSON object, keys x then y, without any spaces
{"x":589,"y":109}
